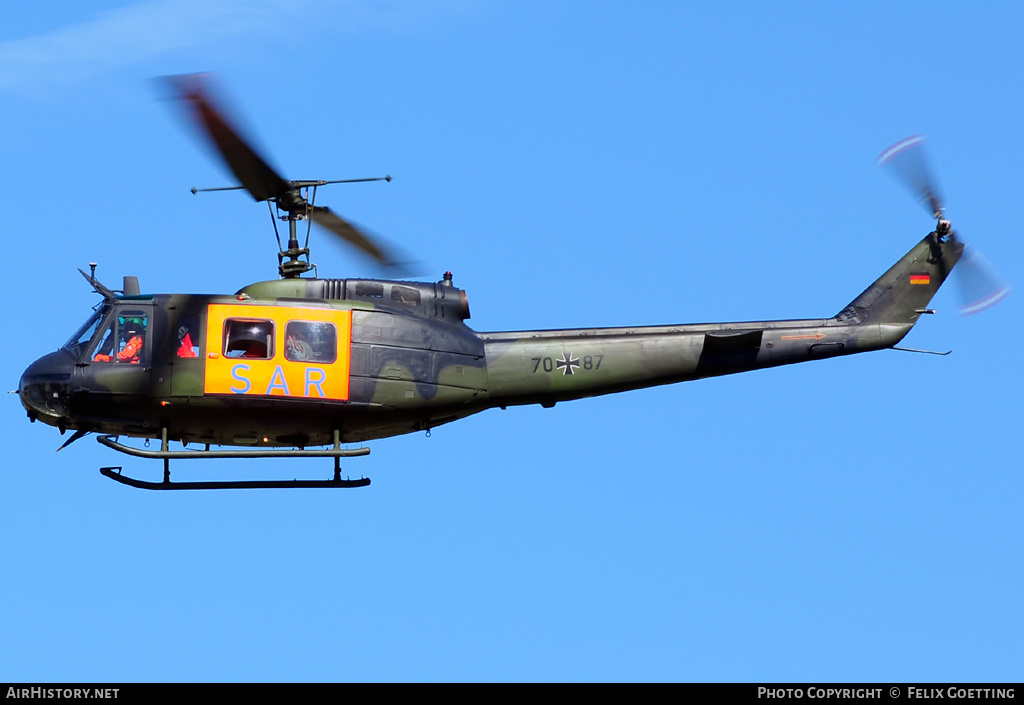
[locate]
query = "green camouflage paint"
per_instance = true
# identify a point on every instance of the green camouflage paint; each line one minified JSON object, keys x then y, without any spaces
{"x":415,"y":364}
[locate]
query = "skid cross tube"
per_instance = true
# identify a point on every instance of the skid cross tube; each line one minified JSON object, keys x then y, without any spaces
{"x":165,"y":454}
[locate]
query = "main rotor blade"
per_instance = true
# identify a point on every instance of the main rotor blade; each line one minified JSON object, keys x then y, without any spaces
{"x":258,"y":177}
{"x":325,"y":217}
{"x":906,"y":159}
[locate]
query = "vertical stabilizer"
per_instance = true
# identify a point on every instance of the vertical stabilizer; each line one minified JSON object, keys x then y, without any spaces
{"x":903,"y":293}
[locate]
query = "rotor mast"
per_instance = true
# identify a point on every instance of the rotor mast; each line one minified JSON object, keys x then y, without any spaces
{"x":295,"y":207}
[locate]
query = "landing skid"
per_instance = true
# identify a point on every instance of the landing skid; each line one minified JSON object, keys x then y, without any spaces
{"x":114,"y":473}
{"x":165,"y":454}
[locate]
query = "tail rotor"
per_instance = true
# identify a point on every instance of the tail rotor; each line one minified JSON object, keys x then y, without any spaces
{"x":980,"y":286}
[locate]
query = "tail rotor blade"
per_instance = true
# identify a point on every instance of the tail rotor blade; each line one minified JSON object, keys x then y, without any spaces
{"x":980,"y":285}
{"x":906,"y":159}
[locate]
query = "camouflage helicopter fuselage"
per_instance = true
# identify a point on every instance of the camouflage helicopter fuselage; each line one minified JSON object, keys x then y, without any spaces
{"x":393,"y":357}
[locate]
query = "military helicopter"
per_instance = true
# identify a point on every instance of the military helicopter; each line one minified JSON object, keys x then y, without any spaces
{"x":301,"y":366}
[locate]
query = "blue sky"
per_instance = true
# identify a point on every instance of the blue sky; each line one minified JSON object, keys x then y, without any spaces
{"x":574,"y":164}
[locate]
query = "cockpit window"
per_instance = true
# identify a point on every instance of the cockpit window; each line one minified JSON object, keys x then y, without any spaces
{"x":84,"y":334}
{"x":124,"y":339}
{"x":248,"y":338}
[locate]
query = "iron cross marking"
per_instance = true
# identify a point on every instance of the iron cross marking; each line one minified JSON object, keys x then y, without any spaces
{"x":567,"y":362}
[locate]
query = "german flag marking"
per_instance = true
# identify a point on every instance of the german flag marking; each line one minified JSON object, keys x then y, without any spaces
{"x":920,"y":279}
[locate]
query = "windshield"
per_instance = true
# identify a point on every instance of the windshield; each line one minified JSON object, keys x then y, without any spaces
{"x":84,"y":334}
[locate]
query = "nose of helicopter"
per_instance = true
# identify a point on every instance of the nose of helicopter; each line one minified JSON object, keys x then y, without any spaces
{"x":45,"y":388}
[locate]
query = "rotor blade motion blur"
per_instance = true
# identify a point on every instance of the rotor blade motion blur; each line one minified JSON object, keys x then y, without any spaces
{"x":979,"y":283}
{"x":258,"y":178}
{"x":980,"y":286}
{"x":906,"y":159}
{"x":325,"y":217}
{"x":263,"y":182}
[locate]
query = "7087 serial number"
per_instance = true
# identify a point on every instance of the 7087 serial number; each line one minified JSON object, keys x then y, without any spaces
{"x":548,"y":364}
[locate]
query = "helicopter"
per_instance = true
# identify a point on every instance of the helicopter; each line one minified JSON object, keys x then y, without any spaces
{"x":303,"y":366}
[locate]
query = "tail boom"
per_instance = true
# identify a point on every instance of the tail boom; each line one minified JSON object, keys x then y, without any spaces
{"x":527,"y":367}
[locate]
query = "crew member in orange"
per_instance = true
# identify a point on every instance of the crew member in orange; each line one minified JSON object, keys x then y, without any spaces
{"x":185,"y":338}
{"x":134,"y":330}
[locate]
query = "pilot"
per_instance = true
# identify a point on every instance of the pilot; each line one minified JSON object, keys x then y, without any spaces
{"x":134,"y":330}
